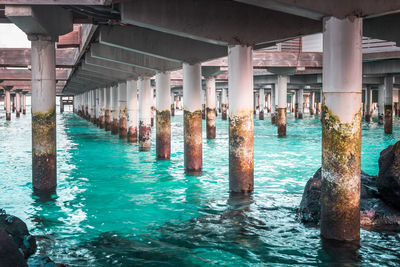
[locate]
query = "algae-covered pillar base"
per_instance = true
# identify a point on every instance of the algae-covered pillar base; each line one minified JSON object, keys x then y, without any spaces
{"x":123,"y":132}
{"x":261,"y":101}
{"x":224,"y":105}
{"x":43,"y":57}
{"x":192,"y":123}
{"x":163,"y":115}
{"x":211,"y":110}
{"x":388,"y":82}
{"x":341,"y":128}
{"x":241,"y":134}
{"x":7,"y":102}
{"x":145,"y":113}
{"x":131,"y":110}
{"x":282,"y":105}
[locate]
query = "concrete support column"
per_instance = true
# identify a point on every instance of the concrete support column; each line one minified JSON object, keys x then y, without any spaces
{"x":273,"y":105}
{"x":13,"y":101}
{"x":224,"y":105}
{"x":282,"y":105}
{"x":107,"y":97}
{"x":7,"y":103}
{"x":341,"y":128}
{"x":123,"y":132}
{"x":261,"y":98}
{"x":93,"y":106}
{"x":381,"y":103}
{"x":145,"y":113}
{"x":269,"y":102}
{"x":114,"y":110}
{"x":18,"y":102}
{"x":293,"y":101}
{"x":368,"y":93}
{"x":43,"y":60}
{"x":132,"y":110}
{"x":299,"y":103}
{"x":172,"y":104}
{"x":24,"y":103}
{"x":255,"y":96}
{"x":318,"y":108}
{"x":241,"y":127}
{"x":203,"y":104}
{"x":388,"y":82}
{"x":192,"y":93}
{"x":61,"y":105}
{"x":102,"y":117}
{"x":163,"y":115}
{"x":97,"y":107}
{"x":312,"y":102}
{"x":211,"y":106}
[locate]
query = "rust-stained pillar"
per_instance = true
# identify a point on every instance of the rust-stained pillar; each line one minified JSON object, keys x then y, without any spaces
{"x":211,"y":110}
{"x":114,"y":110}
{"x":241,"y":135}
{"x":24,"y":103}
{"x":388,"y":82}
{"x":282,"y":105}
{"x":145,"y":113}
{"x":7,"y":102}
{"x":224,"y":105}
{"x":300,"y":103}
{"x":43,"y":60}
{"x":132,"y":110}
{"x":273,"y":105}
{"x":381,"y":103}
{"x":312,"y":102}
{"x":123,"y":132}
{"x":341,"y":128}
{"x":172,"y":104}
{"x":368,"y":104}
{"x":102,"y":117}
{"x":261,"y":106}
{"x":107,"y":97}
{"x":203,"y":104}
{"x":192,"y":93}
{"x":163,"y":115}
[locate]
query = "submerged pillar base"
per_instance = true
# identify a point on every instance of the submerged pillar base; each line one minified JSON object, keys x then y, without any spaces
{"x":163,"y":134}
{"x":224,"y":111}
{"x":193,"y":142}
{"x":107,"y":123}
{"x":123,"y":133}
{"x":281,"y":121}
{"x":114,"y":126}
{"x":8,"y":116}
{"x":388,"y":119}
{"x":132,"y":135}
{"x":144,"y":136}
{"x":261,"y":115}
{"x":211,"y":123}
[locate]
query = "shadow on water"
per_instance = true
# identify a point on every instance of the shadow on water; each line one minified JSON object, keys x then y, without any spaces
{"x":339,"y":253}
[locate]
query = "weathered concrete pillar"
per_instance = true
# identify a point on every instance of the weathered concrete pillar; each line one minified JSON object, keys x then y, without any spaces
{"x":13,"y":101}
{"x":341,"y":128}
{"x":163,"y":115}
{"x":224,"y":105}
{"x":93,"y":106}
{"x":123,"y":132}
{"x":61,"y":105}
{"x":145,"y":113}
{"x":132,"y":110}
{"x":318,"y":108}
{"x":192,"y":93}
{"x":293,"y":103}
{"x":114,"y":110}
{"x":203,"y":105}
{"x":18,"y":102}
{"x":24,"y":103}
{"x":368,"y":93}
{"x":269,"y":102}
{"x":388,"y":81}
{"x":107,"y":98}
{"x":255,"y":96}
{"x":312,"y":102}
{"x":172,"y":104}
{"x":102,"y":114}
{"x":282,"y":105}
{"x":261,"y":98}
{"x":241,"y":135}
{"x":7,"y":102}
{"x":43,"y":55}
{"x":211,"y":110}
{"x":299,"y":103}
{"x":273,"y":105}
{"x":381,"y":103}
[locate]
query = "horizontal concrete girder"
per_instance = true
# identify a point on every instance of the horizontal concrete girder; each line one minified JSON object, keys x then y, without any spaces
{"x":21,"y":57}
{"x":160,"y":44}
{"x":381,"y":67}
{"x":45,"y":20}
{"x":25,"y":74}
{"x":117,"y":75}
{"x":134,"y":59}
{"x":118,"y":66}
{"x":219,"y":22}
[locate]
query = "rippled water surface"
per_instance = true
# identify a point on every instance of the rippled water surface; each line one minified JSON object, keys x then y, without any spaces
{"x":116,"y":206}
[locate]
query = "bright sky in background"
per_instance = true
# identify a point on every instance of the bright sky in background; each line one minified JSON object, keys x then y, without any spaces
{"x":12,"y":36}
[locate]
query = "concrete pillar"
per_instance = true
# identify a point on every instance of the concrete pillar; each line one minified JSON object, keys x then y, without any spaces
{"x":203,"y":104}
{"x":211,"y":110}
{"x":43,"y":56}
{"x":132,"y":110}
{"x":7,"y":103}
{"x":282,"y":105}
{"x":107,"y":97}
{"x":381,"y":103}
{"x":192,"y":93}
{"x":368,"y":93}
{"x":172,"y":104}
{"x":93,"y":106}
{"x":269,"y":102}
{"x":61,"y":105}
{"x":293,"y":103}
{"x":163,"y":115}
{"x":273,"y":105}
{"x":341,"y":128}
{"x":261,"y":98}
{"x":388,"y":82}
{"x":145,"y":113}
{"x":24,"y":103}
{"x":318,"y":106}
{"x":299,"y":103}
{"x":224,"y":105}
{"x":123,"y":132}
{"x":241,"y":134}
{"x":97,"y":107}
{"x":13,"y":101}
{"x":114,"y":110}
{"x":17,"y":102}
{"x":102,"y":110}
{"x":312,"y":102}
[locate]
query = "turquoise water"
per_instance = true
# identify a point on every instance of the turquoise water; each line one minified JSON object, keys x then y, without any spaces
{"x":116,"y":206}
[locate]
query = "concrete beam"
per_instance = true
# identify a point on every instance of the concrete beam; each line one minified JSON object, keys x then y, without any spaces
{"x":21,"y":57}
{"x":218,"y":22}
{"x":159,"y":44}
{"x":381,"y":67}
{"x":25,"y":74}
{"x":117,"y":75}
{"x":46,"y":20}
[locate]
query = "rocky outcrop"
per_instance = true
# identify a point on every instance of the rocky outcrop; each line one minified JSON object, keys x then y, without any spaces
{"x":10,"y":255}
{"x":375,"y":214}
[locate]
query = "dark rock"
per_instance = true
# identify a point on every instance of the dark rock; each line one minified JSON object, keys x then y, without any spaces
{"x":389,"y":174}
{"x":10,"y":255}
{"x":18,"y":230}
{"x":375,"y":214}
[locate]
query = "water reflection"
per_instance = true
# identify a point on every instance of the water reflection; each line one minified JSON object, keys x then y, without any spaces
{"x":334,"y":253}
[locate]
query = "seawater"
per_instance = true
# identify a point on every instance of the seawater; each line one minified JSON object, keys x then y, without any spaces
{"x":116,"y":206}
